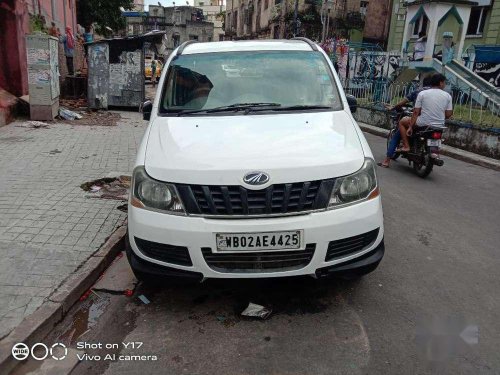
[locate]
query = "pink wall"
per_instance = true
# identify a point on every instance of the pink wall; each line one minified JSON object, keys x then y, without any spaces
{"x":14,"y":25}
{"x":60,"y":8}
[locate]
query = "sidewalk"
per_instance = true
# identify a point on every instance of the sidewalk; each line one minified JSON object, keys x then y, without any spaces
{"x":48,"y":225}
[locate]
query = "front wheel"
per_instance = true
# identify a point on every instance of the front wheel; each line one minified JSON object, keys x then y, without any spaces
{"x":423,"y":169}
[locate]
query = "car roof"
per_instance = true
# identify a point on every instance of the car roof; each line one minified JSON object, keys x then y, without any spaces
{"x":247,"y":45}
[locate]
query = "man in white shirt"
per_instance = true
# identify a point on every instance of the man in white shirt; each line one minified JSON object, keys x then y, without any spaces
{"x":432,"y":107}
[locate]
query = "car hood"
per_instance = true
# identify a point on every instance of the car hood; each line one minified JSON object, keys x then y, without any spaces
{"x":220,"y":150}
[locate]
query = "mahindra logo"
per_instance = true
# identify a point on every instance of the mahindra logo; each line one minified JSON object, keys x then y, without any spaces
{"x":256,"y":178}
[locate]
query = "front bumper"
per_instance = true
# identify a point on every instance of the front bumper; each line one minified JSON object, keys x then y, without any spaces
{"x":196,"y":233}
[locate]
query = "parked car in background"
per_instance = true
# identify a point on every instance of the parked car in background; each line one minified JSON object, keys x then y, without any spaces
{"x":253,"y":166}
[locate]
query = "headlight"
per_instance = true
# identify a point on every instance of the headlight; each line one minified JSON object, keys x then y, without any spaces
{"x":356,"y":187}
{"x":153,"y":194}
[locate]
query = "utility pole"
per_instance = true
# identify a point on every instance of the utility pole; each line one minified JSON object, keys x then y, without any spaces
{"x":295,"y":25}
{"x":327,"y":23}
{"x":325,"y":18}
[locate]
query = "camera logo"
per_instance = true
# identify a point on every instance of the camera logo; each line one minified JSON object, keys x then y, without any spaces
{"x":21,"y":351}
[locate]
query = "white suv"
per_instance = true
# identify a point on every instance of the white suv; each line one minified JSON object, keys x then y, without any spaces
{"x":252,"y":166}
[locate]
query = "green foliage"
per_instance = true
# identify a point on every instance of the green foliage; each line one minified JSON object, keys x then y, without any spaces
{"x":102,"y":13}
{"x":353,"y":21}
{"x":37,"y":23}
{"x":309,"y":21}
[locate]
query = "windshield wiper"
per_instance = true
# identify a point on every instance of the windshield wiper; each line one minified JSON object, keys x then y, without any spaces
{"x":299,"y":107}
{"x":227,"y":108}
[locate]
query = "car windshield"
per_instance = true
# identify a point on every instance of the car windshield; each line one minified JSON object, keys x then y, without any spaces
{"x":208,"y":81}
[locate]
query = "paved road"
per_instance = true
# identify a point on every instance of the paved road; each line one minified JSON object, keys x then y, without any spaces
{"x":440,"y":270}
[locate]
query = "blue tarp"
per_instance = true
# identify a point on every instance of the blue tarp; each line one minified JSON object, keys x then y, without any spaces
{"x":487,"y":54}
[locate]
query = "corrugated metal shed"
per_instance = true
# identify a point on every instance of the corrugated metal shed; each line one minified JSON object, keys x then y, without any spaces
{"x":116,"y":70}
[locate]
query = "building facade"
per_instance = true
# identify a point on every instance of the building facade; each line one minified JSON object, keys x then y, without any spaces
{"x":482,"y":27}
{"x":378,"y":15}
{"x":15,"y":24}
{"x":138,"y":5}
{"x":61,"y":12}
{"x":213,"y":11}
{"x":250,"y":19}
{"x":181,"y":23}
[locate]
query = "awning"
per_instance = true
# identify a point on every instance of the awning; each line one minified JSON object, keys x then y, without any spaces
{"x":454,"y":12}
{"x":488,"y":53}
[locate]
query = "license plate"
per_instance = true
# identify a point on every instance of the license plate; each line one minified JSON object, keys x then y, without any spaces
{"x":434,"y":142}
{"x":290,"y":240}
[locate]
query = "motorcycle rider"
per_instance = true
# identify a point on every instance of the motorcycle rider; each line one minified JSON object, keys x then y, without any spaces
{"x":432,"y":107}
{"x":396,"y":137}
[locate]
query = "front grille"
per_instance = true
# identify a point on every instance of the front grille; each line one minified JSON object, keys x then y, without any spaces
{"x":347,"y":246}
{"x":166,"y":253}
{"x":257,"y":262}
{"x":237,"y":200}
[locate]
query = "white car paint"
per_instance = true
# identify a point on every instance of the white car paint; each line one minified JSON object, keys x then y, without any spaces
{"x":219,"y":150}
{"x":211,"y":150}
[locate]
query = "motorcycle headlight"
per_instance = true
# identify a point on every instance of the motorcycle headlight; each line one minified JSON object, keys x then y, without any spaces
{"x":359,"y":186}
{"x":152,"y":194}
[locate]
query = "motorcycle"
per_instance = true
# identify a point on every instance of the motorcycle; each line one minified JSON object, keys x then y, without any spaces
{"x":425,"y":143}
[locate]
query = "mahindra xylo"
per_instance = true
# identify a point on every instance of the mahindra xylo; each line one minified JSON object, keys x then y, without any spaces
{"x":253,"y":166}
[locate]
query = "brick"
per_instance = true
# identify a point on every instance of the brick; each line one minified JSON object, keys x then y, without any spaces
{"x":40,"y":238}
{"x":42,"y":204}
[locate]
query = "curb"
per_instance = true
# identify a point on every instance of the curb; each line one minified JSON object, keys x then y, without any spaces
{"x":37,"y":325}
{"x":452,"y":152}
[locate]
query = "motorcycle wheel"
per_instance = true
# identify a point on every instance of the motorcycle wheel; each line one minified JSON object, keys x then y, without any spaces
{"x":389,"y":137}
{"x":425,"y":169}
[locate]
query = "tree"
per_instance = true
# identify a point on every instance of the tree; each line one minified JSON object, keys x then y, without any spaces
{"x":309,"y":21}
{"x":352,"y":21}
{"x":102,"y":13}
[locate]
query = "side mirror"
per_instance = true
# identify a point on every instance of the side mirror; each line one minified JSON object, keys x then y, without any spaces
{"x":353,"y":103}
{"x":146,"y":109}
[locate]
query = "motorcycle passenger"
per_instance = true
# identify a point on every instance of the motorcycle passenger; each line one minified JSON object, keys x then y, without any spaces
{"x":432,"y":107}
{"x":396,"y":137}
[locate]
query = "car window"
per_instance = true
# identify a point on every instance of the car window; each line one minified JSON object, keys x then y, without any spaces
{"x":289,"y":78}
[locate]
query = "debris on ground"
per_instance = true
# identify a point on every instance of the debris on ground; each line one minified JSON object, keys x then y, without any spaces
{"x":123,"y":207}
{"x":80,"y":103}
{"x":33,"y":125}
{"x":97,"y":118}
{"x":109,"y":188}
{"x":227,"y":322}
{"x":37,"y":124}
{"x":53,"y":152}
{"x":85,"y":295}
{"x":257,"y":311}
{"x":144,"y":299}
{"x":66,"y":114}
